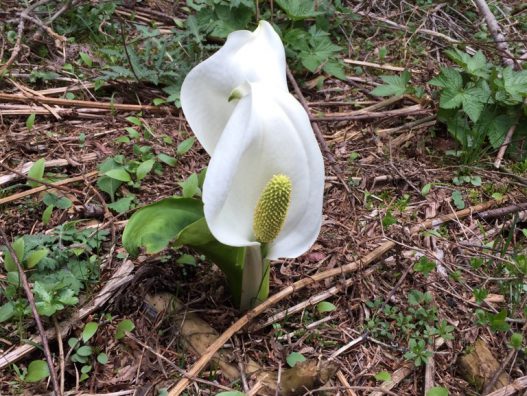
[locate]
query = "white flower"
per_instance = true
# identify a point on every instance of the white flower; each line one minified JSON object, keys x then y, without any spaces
{"x":237,"y":104}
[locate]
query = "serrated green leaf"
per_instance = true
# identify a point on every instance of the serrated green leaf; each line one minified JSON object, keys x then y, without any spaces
{"x":109,"y":185}
{"x":383,"y":376}
{"x":144,"y":168}
{"x":190,"y":187}
{"x":36,"y":371}
{"x":449,"y":78}
{"x":36,"y":172}
{"x":122,"y":205}
{"x":89,"y":330}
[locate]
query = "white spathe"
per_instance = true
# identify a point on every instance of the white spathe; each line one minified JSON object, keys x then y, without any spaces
{"x":246,"y":56}
{"x":263,"y":133}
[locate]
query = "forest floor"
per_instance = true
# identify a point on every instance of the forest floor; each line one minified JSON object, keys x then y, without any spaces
{"x":417,"y":284}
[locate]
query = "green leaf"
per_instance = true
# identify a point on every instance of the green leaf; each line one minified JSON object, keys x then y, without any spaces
{"x":7,"y":311}
{"x":457,"y":198}
{"x":109,"y":185}
{"x":30,"y":122}
{"x":515,"y":341}
{"x":167,"y":159}
{"x":298,"y":9}
{"x":36,"y":172}
{"x":426,"y":189}
{"x":134,"y":120}
{"x":122,"y":139}
{"x":325,"y":306}
{"x":424,"y":265}
{"x":124,"y":326}
{"x":86,"y":59}
{"x":383,"y":376}
{"x":46,"y":214}
{"x":437,"y":391}
{"x":102,"y":358}
{"x":9,"y":262}
{"x":84,"y":351}
{"x":85,"y":369}
{"x":154,"y":226}
{"x":132,"y":133}
{"x":144,"y":168}
{"x":158,"y":101}
{"x":449,"y":78}
{"x":51,"y":199}
{"x":34,"y":257}
{"x":123,"y":204}
{"x":185,"y":146}
{"x":294,"y":358}
{"x":190,"y":187}
{"x":119,"y":174}
{"x":393,"y":85}
{"x":36,"y":371}
{"x":498,"y":322}
{"x":89,"y":330}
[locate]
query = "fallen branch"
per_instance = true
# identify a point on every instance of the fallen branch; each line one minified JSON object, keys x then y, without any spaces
{"x":497,"y":35}
{"x":518,"y":385}
{"x":22,"y":170}
{"x":84,"y":103}
{"x":36,"y":316}
{"x":35,"y":190}
{"x":363,"y":115}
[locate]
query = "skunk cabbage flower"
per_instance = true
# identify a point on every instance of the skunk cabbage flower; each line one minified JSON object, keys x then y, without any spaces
{"x":265,"y":180}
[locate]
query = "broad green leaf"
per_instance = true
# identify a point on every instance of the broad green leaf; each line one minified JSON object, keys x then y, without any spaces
{"x":34,"y":257}
{"x":383,"y":376}
{"x":167,"y":159}
{"x":144,"y":168}
{"x":84,"y":350}
{"x":393,"y":85}
{"x":298,"y":9}
{"x":36,"y":371}
{"x":123,"y":204}
{"x":132,"y":133}
{"x":89,"y":330}
{"x":119,"y":174}
{"x":102,"y":358}
{"x":457,"y":198}
{"x":30,"y":122}
{"x":154,"y":226}
{"x":426,"y":189}
{"x":294,"y":358}
{"x":46,"y":214}
{"x":325,"y":306}
{"x":9,"y":262}
{"x":190,"y":187}
{"x":86,"y":59}
{"x":437,"y":391}
{"x":123,"y":327}
{"x":36,"y":172}
{"x":448,"y":78}
{"x":109,"y":185}
{"x":7,"y":311}
{"x":134,"y":120}
{"x":450,"y":99}
{"x":185,"y":146}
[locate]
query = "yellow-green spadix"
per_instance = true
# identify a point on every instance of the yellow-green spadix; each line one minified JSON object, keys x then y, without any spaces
{"x":261,"y":132}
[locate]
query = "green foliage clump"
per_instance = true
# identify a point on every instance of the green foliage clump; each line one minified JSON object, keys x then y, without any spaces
{"x":479,"y":102}
{"x":59,"y":265}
